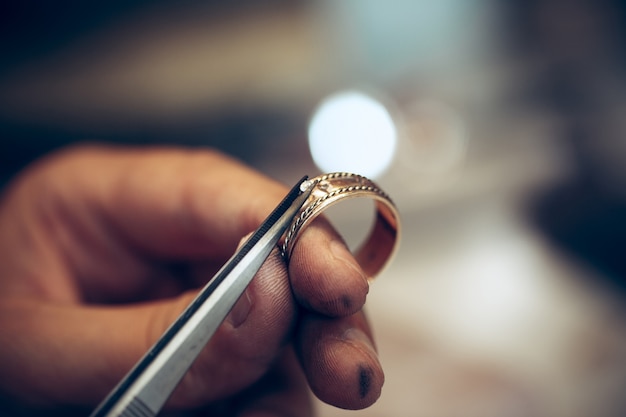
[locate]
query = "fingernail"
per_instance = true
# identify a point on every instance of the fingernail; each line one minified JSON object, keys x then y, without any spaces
{"x":240,"y":311}
{"x":357,"y":336}
{"x":342,"y":253}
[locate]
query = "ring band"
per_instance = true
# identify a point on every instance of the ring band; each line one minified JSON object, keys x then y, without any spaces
{"x":379,"y":246}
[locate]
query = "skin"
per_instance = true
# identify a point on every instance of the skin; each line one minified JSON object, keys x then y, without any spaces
{"x":101,"y":249}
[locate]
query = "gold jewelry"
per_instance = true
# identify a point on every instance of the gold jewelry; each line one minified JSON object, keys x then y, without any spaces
{"x":329,"y":189}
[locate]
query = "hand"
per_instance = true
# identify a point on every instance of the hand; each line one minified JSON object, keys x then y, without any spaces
{"x":102,"y":248}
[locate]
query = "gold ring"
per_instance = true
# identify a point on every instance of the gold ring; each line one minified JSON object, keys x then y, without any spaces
{"x":381,"y":243}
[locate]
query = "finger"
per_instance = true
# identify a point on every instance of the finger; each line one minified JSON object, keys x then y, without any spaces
{"x":340,"y":360}
{"x":112,"y":215}
{"x":63,"y":354}
{"x":202,"y":201}
{"x":324,"y":275}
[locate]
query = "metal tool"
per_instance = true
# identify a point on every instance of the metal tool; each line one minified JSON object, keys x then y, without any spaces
{"x":146,"y":388}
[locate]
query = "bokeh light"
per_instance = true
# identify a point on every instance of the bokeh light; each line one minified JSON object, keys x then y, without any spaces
{"x":351,"y":131}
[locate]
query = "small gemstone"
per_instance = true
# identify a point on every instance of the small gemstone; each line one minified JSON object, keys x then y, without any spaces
{"x":323,"y":185}
{"x":306,"y":185}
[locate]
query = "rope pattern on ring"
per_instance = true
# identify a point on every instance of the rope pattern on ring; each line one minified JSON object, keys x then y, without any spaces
{"x":307,"y":212}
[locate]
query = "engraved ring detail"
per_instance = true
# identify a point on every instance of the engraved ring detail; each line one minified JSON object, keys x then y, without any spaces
{"x":382,"y":241}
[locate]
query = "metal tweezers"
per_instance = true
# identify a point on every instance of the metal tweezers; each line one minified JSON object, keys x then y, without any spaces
{"x":148,"y":385}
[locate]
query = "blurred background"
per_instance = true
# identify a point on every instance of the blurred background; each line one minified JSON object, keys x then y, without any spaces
{"x":496,"y":127}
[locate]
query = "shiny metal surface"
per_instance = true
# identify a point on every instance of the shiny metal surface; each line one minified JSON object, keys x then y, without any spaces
{"x":382,"y":241}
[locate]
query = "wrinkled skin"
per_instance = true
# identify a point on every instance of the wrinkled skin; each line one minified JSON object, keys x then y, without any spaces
{"x":102,"y":248}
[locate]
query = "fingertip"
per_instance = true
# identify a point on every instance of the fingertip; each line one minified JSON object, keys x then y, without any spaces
{"x":358,"y":377}
{"x":370,"y":375}
{"x":341,"y":363}
{"x":324,"y":275}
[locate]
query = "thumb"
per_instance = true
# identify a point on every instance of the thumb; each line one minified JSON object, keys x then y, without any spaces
{"x":74,"y":354}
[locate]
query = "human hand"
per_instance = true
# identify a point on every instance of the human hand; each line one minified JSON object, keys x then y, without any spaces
{"x":102,"y":248}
